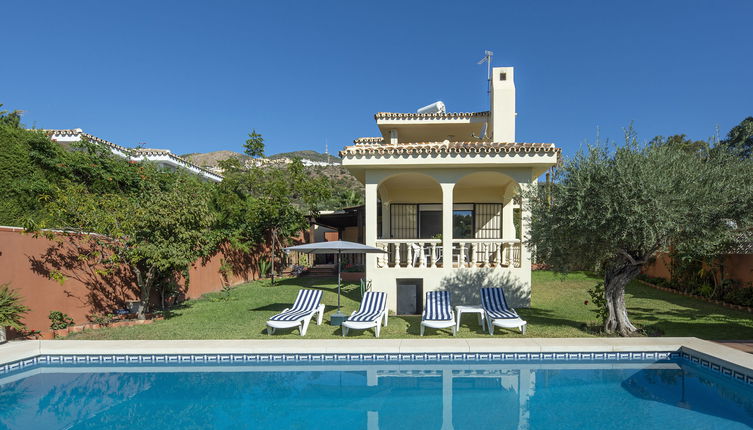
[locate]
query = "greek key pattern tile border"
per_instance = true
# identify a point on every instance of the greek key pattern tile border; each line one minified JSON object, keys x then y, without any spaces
{"x":172,"y":359}
{"x":718,"y":367}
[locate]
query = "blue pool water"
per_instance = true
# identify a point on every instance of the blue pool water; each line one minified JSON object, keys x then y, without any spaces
{"x":407,"y":395}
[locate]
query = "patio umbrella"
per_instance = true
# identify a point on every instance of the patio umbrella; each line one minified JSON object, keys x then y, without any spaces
{"x":338,"y":247}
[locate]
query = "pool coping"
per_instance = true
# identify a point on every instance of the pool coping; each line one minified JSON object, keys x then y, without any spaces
{"x":720,"y":358}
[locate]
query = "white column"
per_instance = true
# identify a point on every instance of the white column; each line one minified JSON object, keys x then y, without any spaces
{"x":447,"y":203}
{"x":370,"y":229}
{"x":508,"y":225}
{"x":393,"y":136}
{"x":386,"y":220}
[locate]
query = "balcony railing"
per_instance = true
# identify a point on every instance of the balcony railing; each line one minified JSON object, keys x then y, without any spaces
{"x":465,"y":253}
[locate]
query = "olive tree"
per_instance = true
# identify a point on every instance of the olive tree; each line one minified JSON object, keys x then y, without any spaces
{"x":613,"y":208}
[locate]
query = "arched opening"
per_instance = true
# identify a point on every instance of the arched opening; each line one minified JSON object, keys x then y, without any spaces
{"x":411,"y":207}
{"x":486,"y":220}
{"x":484,"y":206}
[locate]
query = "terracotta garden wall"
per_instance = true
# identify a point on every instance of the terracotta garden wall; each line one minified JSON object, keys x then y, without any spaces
{"x":26,"y":263}
{"x":737,"y":266}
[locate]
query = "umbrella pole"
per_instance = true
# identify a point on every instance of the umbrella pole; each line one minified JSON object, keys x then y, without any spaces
{"x":339,"y":253}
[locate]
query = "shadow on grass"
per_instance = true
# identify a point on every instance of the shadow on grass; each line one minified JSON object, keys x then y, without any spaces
{"x":685,"y":316}
{"x":329,"y":284}
{"x":276,"y":307}
{"x":472,"y":323}
{"x":323,"y":283}
{"x":542,"y":317}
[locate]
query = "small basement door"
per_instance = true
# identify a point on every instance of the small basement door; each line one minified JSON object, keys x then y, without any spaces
{"x":409,"y":296}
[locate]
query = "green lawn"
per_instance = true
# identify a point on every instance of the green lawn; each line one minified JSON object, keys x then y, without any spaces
{"x":557,"y":310}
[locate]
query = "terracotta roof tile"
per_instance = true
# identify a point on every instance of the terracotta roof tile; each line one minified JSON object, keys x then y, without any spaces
{"x":482,"y":147}
{"x":438,"y":115}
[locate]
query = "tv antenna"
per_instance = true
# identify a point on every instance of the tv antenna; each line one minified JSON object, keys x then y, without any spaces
{"x":488,"y":60}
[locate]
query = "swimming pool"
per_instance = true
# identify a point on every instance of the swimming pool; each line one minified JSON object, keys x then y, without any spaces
{"x":374,"y":391}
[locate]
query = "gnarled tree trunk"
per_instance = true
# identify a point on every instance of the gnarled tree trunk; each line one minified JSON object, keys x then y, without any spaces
{"x":615,"y":281}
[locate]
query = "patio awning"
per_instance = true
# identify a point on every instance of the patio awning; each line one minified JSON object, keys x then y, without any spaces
{"x":347,"y":217}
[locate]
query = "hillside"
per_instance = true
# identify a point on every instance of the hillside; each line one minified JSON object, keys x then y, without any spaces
{"x":212,"y":159}
{"x":307,"y":155}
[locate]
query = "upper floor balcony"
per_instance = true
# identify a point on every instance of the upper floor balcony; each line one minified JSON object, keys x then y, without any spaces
{"x":446,"y":205}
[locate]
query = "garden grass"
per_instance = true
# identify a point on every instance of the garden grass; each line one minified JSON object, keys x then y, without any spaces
{"x":558,"y":309}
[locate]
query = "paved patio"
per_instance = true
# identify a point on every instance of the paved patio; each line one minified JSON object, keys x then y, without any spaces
{"x":740,"y":345}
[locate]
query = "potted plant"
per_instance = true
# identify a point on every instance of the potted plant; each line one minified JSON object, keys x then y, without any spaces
{"x":11,"y":311}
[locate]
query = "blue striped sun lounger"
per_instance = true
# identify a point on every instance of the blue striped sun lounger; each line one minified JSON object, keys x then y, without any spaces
{"x":437,"y":306}
{"x":370,"y":314}
{"x":438,"y":312}
{"x":306,"y":305}
{"x":497,"y":312}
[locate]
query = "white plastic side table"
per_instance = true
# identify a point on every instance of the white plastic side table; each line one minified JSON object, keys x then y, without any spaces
{"x":460,"y":310}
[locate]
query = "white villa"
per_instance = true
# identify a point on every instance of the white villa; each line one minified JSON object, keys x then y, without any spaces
{"x":443,"y":181}
{"x":162,"y":157}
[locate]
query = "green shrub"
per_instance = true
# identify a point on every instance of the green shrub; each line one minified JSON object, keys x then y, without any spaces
{"x":597,"y":299}
{"x":11,"y":309}
{"x":59,"y":320}
{"x":740,"y":296}
{"x":101,"y":319}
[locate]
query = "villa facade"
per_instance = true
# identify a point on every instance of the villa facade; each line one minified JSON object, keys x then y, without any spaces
{"x":443,"y":200}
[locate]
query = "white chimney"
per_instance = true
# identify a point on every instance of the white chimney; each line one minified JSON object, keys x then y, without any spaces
{"x":502,"y":105}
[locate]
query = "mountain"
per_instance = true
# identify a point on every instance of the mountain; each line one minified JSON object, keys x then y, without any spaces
{"x":212,"y":159}
{"x":307,"y":155}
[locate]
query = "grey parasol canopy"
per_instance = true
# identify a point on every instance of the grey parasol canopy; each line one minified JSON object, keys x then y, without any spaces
{"x":335,"y":247}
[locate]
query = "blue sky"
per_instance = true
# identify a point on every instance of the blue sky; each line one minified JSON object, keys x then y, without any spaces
{"x":196,"y":76}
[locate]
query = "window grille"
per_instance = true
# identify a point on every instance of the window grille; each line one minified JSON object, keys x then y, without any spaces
{"x":403,"y":221}
{"x":488,"y":220}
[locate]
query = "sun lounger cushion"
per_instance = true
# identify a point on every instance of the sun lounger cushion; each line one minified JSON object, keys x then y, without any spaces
{"x":494,"y":303}
{"x":306,"y":302}
{"x":437,"y":306}
{"x":372,"y":307}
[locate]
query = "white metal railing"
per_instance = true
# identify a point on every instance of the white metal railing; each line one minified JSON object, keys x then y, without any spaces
{"x":465,"y":253}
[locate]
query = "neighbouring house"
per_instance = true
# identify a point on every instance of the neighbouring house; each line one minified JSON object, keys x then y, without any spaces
{"x":162,"y":157}
{"x":442,"y":198}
